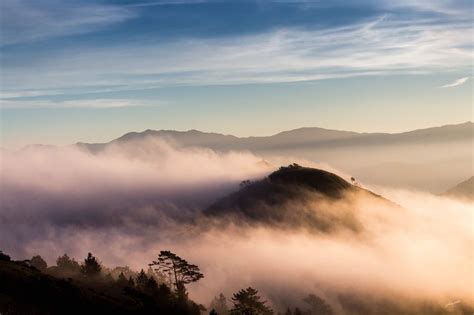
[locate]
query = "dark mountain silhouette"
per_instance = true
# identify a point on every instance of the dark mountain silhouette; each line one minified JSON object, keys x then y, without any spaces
{"x":294,"y":196}
{"x":464,"y":190}
{"x":302,"y":137}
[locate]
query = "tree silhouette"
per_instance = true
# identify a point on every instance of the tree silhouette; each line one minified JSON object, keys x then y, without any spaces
{"x":219,"y":304}
{"x":179,"y":269}
{"x":127,"y":272}
{"x":122,"y":280}
{"x":151,"y":286}
{"x":38,"y":262}
{"x":4,"y":257}
{"x":158,"y":276}
{"x":91,"y":267}
{"x":131,"y":282}
{"x":26,"y":290}
{"x":247,"y":302}
{"x":141,"y":280}
{"x":108,"y":277}
{"x":297,"y":312}
{"x":318,"y":305}
{"x":67,"y":265}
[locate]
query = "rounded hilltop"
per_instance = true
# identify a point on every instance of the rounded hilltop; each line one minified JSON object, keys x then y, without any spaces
{"x":294,"y":197}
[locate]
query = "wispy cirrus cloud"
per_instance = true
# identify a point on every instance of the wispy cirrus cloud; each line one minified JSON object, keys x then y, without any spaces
{"x":23,"y":21}
{"x":158,"y":3}
{"x":390,"y":37}
{"x":458,"y":82}
{"x":383,"y":45}
{"x":93,"y":103}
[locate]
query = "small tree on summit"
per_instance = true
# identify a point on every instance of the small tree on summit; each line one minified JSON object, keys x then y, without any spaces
{"x":180,"y":270}
{"x":91,"y":267}
{"x":247,"y":302}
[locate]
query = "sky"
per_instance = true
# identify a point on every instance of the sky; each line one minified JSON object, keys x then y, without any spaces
{"x":90,"y":70}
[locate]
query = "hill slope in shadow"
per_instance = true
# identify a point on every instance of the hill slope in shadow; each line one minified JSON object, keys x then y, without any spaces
{"x":26,"y":290}
{"x":296,"y":197}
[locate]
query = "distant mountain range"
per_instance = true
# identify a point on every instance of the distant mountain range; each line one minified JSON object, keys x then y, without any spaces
{"x":464,"y":190}
{"x":428,"y":159}
{"x":298,"y":138}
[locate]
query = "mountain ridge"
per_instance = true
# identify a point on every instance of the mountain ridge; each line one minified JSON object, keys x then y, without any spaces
{"x":305,"y":136}
{"x":463,"y":190}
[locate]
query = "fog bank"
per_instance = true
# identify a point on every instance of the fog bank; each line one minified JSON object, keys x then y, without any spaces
{"x":126,"y":205}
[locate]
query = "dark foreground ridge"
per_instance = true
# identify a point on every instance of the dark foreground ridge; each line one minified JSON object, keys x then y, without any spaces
{"x":24,"y":289}
{"x":289,"y":198}
{"x":31,"y":287}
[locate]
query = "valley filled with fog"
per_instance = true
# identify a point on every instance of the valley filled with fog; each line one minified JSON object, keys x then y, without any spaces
{"x":376,"y":237}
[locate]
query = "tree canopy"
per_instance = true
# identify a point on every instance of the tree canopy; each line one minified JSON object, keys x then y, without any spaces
{"x":91,"y":267}
{"x":318,"y":305}
{"x":38,"y":262}
{"x":67,"y":264}
{"x":248,"y":302}
{"x":181,"y":272}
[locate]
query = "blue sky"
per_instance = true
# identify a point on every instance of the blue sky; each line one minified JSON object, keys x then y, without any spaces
{"x":91,"y":70}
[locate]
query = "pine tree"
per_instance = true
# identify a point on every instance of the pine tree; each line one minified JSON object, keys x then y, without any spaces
{"x":141,"y":280}
{"x":247,"y":302}
{"x":122,"y":280}
{"x":91,"y":267}
{"x":318,"y":305}
{"x":151,"y":286}
{"x":131,"y":283}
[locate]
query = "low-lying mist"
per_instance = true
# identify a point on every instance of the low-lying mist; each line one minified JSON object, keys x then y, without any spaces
{"x":129,"y":202}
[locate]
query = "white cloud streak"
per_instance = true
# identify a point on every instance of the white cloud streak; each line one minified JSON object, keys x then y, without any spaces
{"x":458,"y":82}
{"x":95,"y":103}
